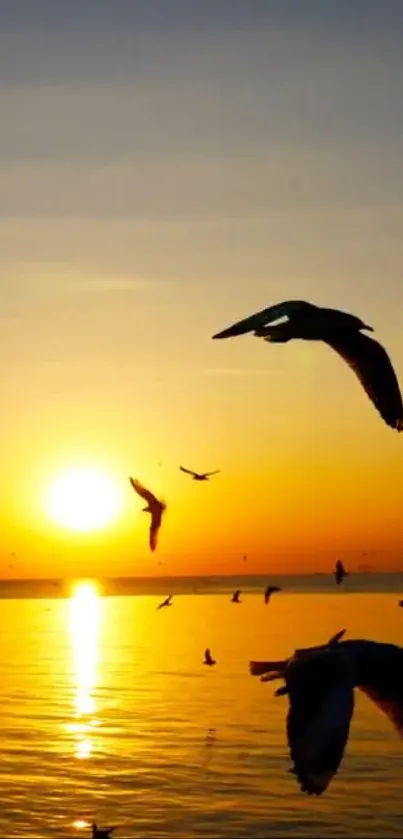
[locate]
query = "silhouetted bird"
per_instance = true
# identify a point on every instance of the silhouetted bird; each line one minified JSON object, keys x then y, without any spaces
{"x":199,"y":476}
{"x":155,"y":507}
{"x":340,"y":572}
{"x":269,"y":591}
{"x":320,"y":684}
{"x":235,"y":596}
{"x":342,"y":332}
{"x":97,"y":833}
{"x":167,"y":602}
{"x":208,"y":660}
{"x":400,"y":602}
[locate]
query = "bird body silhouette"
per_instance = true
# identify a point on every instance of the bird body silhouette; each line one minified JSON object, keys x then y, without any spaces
{"x":98,"y":833}
{"x":236,"y":595}
{"x":199,"y":476}
{"x":319,"y":683}
{"x":340,"y":572}
{"x":154,"y":506}
{"x":166,"y":602}
{"x":208,"y":659}
{"x":269,"y":591}
{"x":343,"y":333}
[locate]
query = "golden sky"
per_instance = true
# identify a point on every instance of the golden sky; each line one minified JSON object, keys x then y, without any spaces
{"x":167,"y":169}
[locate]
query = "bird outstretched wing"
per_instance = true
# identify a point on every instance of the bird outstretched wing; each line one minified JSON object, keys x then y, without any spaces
{"x":318,"y":721}
{"x":259,"y":319}
{"x":381,"y":678}
{"x":142,"y":491}
{"x":372,"y":366}
{"x":156,"y":517}
{"x":208,"y":474}
{"x":188,"y":471}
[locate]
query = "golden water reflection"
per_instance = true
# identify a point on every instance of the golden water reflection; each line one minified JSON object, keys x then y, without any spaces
{"x":85,"y":616}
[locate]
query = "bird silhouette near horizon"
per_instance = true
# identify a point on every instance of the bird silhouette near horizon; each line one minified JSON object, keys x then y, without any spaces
{"x":154,"y":506}
{"x":268,"y":593}
{"x":236,"y":595}
{"x":166,"y":602}
{"x":199,"y":476}
{"x":99,"y":833}
{"x":320,"y":683}
{"x":340,"y":572}
{"x":208,"y":659}
{"x":340,"y":331}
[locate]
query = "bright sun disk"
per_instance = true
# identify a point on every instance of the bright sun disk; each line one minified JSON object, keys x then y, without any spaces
{"x":83,"y":499}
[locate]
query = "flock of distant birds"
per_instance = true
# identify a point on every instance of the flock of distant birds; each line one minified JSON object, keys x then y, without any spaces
{"x":319,"y":681}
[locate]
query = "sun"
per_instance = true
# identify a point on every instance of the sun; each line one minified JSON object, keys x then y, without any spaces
{"x":83,"y":499}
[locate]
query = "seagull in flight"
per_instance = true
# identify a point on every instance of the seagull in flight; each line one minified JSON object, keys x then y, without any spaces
{"x":166,"y":602}
{"x":340,"y":572}
{"x":236,"y":595}
{"x":199,"y":476}
{"x":343,"y":333}
{"x":155,"y":507}
{"x":97,"y":833}
{"x":208,"y":660}
{"x":269,"y":591}
{"x":319,"y":683}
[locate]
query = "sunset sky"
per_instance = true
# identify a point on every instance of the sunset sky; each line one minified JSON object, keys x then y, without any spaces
{"x":168,"y":168}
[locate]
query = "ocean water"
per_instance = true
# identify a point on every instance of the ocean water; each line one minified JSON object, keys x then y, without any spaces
{"x":108,"y":714}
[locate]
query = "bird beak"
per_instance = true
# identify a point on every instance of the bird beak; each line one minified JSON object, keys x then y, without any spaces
{"x":370,"y":329}
{"x":249,"y":324}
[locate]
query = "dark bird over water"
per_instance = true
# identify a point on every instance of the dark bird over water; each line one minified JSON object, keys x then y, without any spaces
{"x":208,"y":660}
{"x":199,"y":476}
{"x":342,"y":332}
{"x":97,"y":833}
{"x":167,"y":602}
{"x":320,"y":683}
{"x":269,"y":591}
{"x":340,"y":572}
{"x":236,"y":595}
{"x":155,"y":507}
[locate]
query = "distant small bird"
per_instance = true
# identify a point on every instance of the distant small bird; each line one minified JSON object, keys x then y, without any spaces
{"x":235,"y":596}
{"x":269,"y":591}
{"x":320,"y":682}
{"x":400,"y":602}
{"x":340,"y":572}
{"x":155,"y":507}
{"x":167,"y":602}
{"x":342,"y":332}
{"x":199,"y":476}
{"x":208,"y":660}
{"x":245,"y":558}
{"x":97,"y":833}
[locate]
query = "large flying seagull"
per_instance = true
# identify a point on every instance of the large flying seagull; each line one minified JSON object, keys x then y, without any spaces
{"x":155,"y":507}
{"x":342,"y":332}
{"x":320,"y":683}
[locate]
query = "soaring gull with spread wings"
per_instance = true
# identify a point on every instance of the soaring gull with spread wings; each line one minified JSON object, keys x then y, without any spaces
{"x":155,"y":507}
{"x":320,"y":682}
{"x":342,"y":332}
{"x":199,"y":476}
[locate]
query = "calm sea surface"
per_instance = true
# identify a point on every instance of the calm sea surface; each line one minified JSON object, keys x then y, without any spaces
{"x":108,"y":715}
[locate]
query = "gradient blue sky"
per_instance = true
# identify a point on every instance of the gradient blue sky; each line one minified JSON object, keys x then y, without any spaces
{"x":166,"y":168}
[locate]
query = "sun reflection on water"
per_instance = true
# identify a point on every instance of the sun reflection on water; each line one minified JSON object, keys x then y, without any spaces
{"x":85,"y":615}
